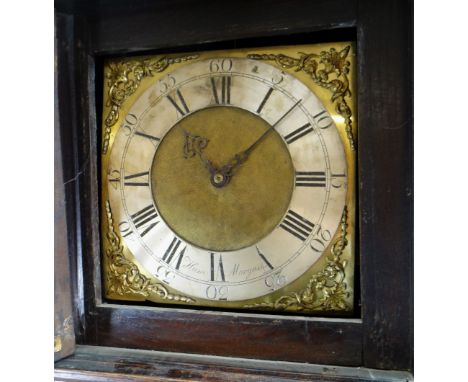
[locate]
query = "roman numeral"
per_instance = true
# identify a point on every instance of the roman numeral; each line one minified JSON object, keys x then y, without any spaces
{"x":225,"y":90}
{"x":298,"y":133}
{"x":182,"y":101}
{"x":265,"y":99}
{"x":262,"y":256}
{"x":130,"y":182}
{"x":172,"y":250}
{"x":142,"y":219}
{"x":296,"y":225}
{"x":150,"y":137}
{"x":310,"y":179}
{"x":219,"y":271}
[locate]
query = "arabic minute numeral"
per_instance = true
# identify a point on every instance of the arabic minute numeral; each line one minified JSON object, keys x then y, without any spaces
{"x":319,"y":243}
{"x":277,"y":78}
{"x":168,"y":83}
{"x":114,"y":178}
{"x":337,"y":180}
{"x":275,"y":281}
{"x":125,"y":229}
{"x":323,"y":120}
{"x":214,"y":292}
{"x":130,"y":121}
{"x":221,"y":65}
{"x":164,"y":274}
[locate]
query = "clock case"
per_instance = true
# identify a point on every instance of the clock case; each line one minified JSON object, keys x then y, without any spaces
{"x":380,"y":333}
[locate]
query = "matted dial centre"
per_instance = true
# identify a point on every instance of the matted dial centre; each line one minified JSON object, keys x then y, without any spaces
{"x":244,"y":210}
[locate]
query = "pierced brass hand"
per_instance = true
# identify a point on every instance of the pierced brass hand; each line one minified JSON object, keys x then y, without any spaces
{"x":228,"y":170}
{"x":194,"y":145}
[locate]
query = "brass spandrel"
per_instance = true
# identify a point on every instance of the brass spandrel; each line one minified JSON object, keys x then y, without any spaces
{"x":329,"y":69}
{"x":123,"y":78}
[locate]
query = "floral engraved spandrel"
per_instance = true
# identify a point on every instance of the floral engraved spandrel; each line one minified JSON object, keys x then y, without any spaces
{"x":326,"y":290}
{"x":123,"y":78}
{"x":328,"y":69}
{"x":123,"y":277}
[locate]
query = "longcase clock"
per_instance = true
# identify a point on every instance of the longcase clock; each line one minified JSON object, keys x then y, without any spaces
{"x":237,"y":190}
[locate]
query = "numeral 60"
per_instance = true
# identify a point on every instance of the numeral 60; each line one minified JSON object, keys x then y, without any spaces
{"x":224,"y":65}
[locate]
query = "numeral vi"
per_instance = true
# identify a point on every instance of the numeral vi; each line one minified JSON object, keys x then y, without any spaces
{"x":216,"y":268}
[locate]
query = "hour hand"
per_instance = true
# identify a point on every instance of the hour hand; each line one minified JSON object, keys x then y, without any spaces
{"x":194,"y":145}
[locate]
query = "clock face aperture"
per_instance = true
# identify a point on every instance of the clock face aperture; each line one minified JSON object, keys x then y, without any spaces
{"x":227,"y":179}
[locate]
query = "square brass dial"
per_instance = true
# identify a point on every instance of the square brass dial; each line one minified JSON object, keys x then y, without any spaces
{"x":216,"y":164}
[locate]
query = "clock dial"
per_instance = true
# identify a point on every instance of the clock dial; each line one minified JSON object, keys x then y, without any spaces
{"x":228,"y":179}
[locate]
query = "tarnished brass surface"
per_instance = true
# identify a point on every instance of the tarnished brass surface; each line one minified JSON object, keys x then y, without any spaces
{"x":327,"y":72}
{"x":244,"y":210}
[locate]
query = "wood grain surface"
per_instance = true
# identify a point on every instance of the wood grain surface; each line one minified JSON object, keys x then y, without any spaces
{"x":380,"y":335}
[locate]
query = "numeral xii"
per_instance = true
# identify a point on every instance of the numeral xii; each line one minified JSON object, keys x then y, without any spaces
{"x":225,"y":90}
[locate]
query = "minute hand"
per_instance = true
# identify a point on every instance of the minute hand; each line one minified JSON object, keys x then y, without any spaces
{"x":242,"y":156}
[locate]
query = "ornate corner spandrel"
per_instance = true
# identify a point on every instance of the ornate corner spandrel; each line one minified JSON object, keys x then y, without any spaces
{"x":123,"y":78}
{"x":329,"y":70}
{"x":326,"y":290}
{"x":123,"y":276}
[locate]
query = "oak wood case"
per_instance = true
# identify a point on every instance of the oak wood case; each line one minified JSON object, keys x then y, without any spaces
{"x":380,"y":333}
